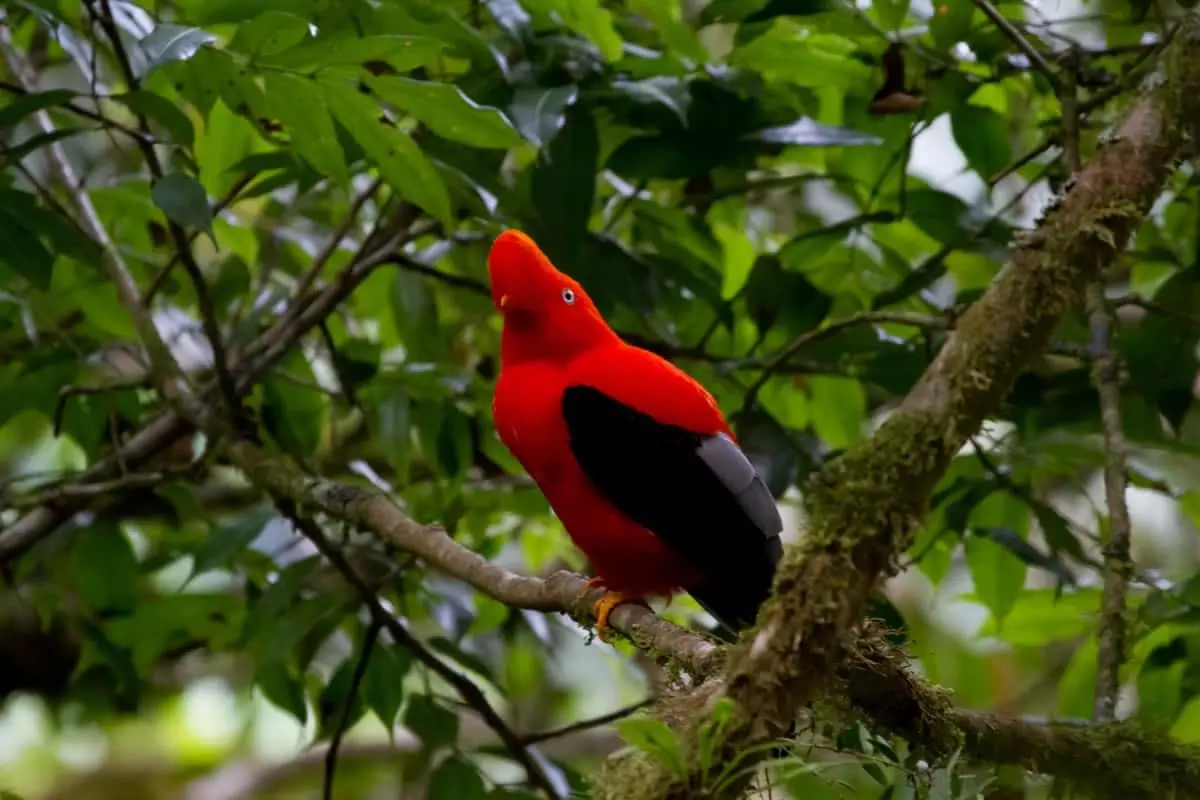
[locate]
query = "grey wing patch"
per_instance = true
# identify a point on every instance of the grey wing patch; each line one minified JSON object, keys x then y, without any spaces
{"x":730,"y":465}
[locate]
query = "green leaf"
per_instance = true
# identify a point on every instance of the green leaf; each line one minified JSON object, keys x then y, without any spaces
{"x":168,"y":43}
{"x":232,"y":283}
{"x":434,"y":725}
{"x":23,"y":252}
{"x":998,"y":575}
{"x":18,"y":151}
{"x":540,"y":114}
{"x":404,"y":53}
{"x":383,"y":682}
{"x":838,"y":409}
{"x":665,"y":90}
{"x":61,"y":234}
{"x":654,"y":738}
{"x":300,"y":106}
{"x":563,"y":187}
{"x":938,"y":214}
{"x":1040,"y":616}
{"x":224,"y":544}
{"x":283,"y":688}
{"x":105,"y":569}
{"x":184,"y":201}
{"x":982,"y":135}
{"x":592,"y":21}
{"x":270,"y":32}
{"x":393,"y":422}
{"x":415,"y":315}
{"x":25,"y":105}
{"x":891,"y":13}
{"x":294,"y":415}
{"x":793,"y":53}
{"x":200,"y":79}
{"x":447,"y":111}
{"x":228,"y":137}
{"x":280,"y":595}
{"x":950,"y":24}
{"x":457,"y":778}
{"x":1187,"y":726}
{"x":677,"y":33}
{"x":308,"y":621}
{"x":336,"y":703}
{"x":357,"y":361}
{"x":163,"y":111}
{"x":399,"y":159}
{"x":1159,"y":693}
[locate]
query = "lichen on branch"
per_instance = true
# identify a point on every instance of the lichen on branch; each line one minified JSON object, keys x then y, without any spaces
{"x":863,"y":507}
{"x":873,"y":675}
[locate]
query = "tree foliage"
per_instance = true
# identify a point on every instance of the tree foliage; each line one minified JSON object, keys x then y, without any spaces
{"x":244,"y":311}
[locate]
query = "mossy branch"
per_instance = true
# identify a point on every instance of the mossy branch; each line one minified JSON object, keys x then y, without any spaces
{"x":863,"y":508}
{"x":874,"y":674}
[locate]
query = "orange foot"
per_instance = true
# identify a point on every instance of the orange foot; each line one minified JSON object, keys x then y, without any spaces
{"x":604,"y":607}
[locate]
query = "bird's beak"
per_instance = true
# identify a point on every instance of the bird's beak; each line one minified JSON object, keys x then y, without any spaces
{"x":503,"y":301}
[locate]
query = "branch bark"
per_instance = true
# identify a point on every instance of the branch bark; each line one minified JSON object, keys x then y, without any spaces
{"x":863,"y":508}
{"x":1118,"y":565}
{"x":260,"y":356}
{"x":874,"y":674}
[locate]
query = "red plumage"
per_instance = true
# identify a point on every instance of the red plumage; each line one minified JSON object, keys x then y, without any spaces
{"x":553,"y":339}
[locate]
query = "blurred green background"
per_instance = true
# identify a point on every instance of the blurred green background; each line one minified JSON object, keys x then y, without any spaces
{"x":791,"y":199}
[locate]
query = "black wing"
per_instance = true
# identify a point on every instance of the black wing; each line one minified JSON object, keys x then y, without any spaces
{"x":698,"y":493}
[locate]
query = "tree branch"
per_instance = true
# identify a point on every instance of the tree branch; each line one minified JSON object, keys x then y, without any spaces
{"x":467,"y":690}
{"x":1118,"y":565}
{"x":874,"y":673}
{"x":167,"y":372}
{"x":259,"y":357}
{"x":863,"y":507}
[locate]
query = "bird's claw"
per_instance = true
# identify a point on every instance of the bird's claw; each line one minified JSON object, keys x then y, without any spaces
{"x":604,"y":608}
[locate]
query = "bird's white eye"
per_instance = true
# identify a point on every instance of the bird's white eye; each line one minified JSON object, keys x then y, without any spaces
{"x":568,"y":296}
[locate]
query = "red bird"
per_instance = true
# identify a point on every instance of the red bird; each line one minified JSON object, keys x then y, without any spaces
{"x":633,"y":454}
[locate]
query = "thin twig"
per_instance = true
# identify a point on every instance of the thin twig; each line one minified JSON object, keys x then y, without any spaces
{"x":370,"y":637}
{"x":1018,"y":39}
{"x":226,"y":200}
{"x":466,"y":689}
{"x":877,"y":674}
{"x":260,"y":356}
{"x":1106,"y":376}
{"x":183,"y":247}
{"x":72,"y":390}
{"x":107,"y":122}
{"x":458,"y":281}
{"x":1020,"y":161}
{"x":1151,"y":307}
{"x":587,"y":724}
{"x":772,"y":367}
{"x":1118,"y":565}
{"x":1068,"y":98}
{"x":90,"y":491}
{"x":331,"y":244}
{"x":169,"y":375}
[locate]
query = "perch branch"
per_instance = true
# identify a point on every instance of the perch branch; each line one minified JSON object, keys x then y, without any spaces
{"x":863,"y":507}
{"x":875,"y":673}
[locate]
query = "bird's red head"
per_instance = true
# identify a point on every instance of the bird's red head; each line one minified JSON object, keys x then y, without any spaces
{"x":547,"y":314}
